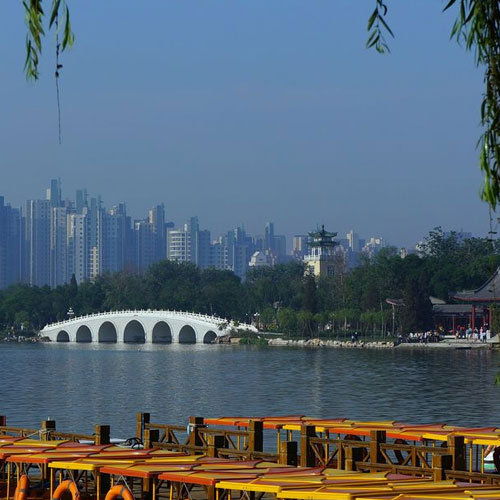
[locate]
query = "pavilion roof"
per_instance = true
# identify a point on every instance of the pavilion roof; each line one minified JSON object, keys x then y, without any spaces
{"x":489,"y":292}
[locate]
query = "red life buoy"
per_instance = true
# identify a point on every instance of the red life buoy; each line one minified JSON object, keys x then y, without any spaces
{"x":67,"y":485}
{"x":119,"y":491}
{"x":22,"y":488}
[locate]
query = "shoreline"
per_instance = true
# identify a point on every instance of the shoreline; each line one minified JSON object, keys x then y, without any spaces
{"x":337,"y":344}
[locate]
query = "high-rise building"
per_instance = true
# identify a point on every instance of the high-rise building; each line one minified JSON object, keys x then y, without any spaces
{"x":299,"y":246}
{"x":353,"y":240}
{"x":77,"y":247}
{"x":280,"y":246}
{"x":204,"y":257}
{"x":145,"y":245}
{"x":117,"y":253}
{"x":94,"y":222}
{"x":54,"y":194}
{"x":269,"y":236}
{"x":81,"y":200}
{"x":10,"y":244}
{"x":157,"y":221}
{"x":193,"y":228}
{"x":218,"y":255}
{"x":184,"y":244}
{"x":178,"y":245}
{"x":37,"y":238}
{"x":58,"y":246}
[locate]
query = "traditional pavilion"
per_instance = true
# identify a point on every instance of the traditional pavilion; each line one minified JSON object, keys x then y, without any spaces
{"x":320,"y":260}
{"x":481,"y":300}
{"x":474,"y":308}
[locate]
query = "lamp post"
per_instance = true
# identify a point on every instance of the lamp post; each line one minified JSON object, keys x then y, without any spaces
{"x":394,"y":303}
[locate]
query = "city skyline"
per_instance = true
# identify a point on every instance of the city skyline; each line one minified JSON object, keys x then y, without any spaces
{"x":52,"y":240}
{"x":341,"y":227}
{"x":254,"y":111}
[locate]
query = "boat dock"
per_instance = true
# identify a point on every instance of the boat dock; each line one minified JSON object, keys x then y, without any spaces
{"x":287,"y":457}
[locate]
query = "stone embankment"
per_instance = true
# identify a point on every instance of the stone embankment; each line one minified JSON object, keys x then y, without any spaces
{"x":331,"y":343}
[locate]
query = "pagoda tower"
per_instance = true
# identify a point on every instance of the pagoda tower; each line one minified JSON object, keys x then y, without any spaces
{"x":320,"y":260}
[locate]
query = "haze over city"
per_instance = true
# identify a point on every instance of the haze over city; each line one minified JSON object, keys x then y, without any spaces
{"x":249,"y":112}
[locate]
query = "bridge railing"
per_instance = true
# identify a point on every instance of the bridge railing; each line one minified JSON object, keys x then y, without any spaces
{"x":215,"y":320}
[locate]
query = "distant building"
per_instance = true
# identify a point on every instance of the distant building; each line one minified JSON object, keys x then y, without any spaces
{"x":280,"y":247}
{"x":37,"y":238}
{"x":260,"y":259}
{"x":183,"y":244}
{"x":77,"y":247}
{"x":117,"y":240}
{"x":10,"y":244}
{"x":54,"y":194}
{"x":299,"y":246}
{"x":204,"y":255}
{"x":353,"y":240}
{"x":59,"y":246}
{"x":373,"y":246}
{"x":178,"y":245}
{"x":157,"y":221}
{"x":320,"y":260}
{"x":218,"y":255}
{"x":269,"y":236}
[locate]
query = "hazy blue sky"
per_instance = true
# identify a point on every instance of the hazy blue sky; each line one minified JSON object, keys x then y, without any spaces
{"x":243,"y":111}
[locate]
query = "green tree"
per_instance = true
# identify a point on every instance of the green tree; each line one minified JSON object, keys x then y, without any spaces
{"x":268,"y":319}
{"x":287,"y":320}
{"x":305,"y":322}
{"x":417,"y":313}
{"x":310,"y":298}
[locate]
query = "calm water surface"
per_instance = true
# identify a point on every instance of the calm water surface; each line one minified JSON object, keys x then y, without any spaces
{"x":81,"y":385}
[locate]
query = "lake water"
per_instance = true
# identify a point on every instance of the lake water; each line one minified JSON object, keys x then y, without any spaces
{"x":81,"y":385}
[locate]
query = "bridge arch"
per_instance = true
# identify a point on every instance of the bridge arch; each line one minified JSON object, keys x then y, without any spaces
{"x":107,"y":333}
{"x":162,"y":333}
{"x":62,"y":336}
{"x":187,"y":335}
{"x":209,"y":337}
{"x":83,"y":334}
{"x":134,"y":333}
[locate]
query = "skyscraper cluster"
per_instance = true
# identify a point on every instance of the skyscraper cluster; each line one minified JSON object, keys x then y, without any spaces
{"x":52,"y":239}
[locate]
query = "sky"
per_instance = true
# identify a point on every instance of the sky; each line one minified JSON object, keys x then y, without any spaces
{"x":248,"y":111}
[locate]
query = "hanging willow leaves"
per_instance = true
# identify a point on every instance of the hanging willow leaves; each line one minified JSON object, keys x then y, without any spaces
{"x":477,"y":28}
{"x":34,"y":16}
{"x":377,"y":25}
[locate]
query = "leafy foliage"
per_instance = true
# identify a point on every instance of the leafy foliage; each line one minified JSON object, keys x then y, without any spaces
{"x":35,"y":16}
{"x":377,"y":26}
{"x":281,"y":298}
{"x":477,"y":27}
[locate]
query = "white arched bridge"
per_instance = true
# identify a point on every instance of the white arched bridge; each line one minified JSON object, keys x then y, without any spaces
{"x":152,"y":327}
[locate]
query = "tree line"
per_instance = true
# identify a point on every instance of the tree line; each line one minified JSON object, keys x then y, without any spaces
{"x":279,"y":298}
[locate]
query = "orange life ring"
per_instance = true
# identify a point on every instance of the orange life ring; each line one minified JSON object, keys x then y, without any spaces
{"x":22,"y":488}
{"x":67,"y":485}
{"x":119,"y":490}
